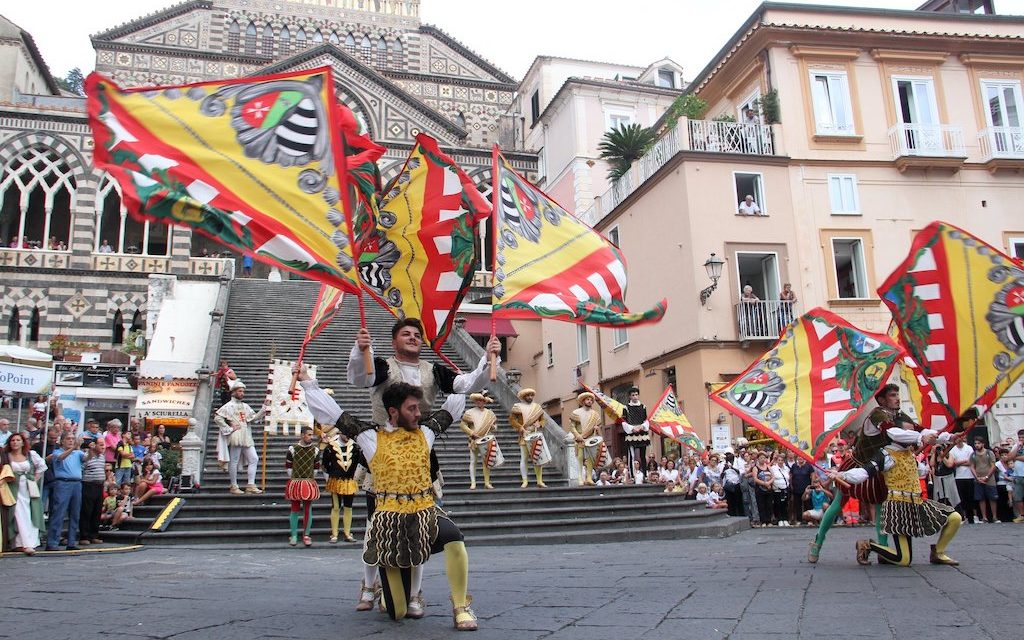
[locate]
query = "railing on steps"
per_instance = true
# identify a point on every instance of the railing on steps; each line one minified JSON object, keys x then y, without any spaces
{"x":204,"y":394}
{"x":505,"y":394}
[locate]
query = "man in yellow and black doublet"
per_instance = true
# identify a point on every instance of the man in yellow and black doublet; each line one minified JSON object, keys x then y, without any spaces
{"x":302,"y":460}
{"x":906,"y":513}
{"x":527,"y":418}
{"x":341,"y":459}
{"x":585,"y":424}
{"x":406,"y":527}
{"x":480,"y":424}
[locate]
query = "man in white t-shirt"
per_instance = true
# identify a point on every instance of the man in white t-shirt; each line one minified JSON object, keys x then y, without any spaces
{"x":749,"y":208}
{"x":960,"y":455}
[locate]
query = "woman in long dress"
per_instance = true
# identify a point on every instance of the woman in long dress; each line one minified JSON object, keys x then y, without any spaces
{"x":28,"y":467}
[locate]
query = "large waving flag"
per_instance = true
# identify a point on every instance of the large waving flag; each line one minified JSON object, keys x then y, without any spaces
{"x":668,"y":420}
{"x":959,"y":306}
{"x":253,"y":164}
{"x":418,"y":260}
{"x":612,"y":407}
{"x":328,"y":302}
{"x":812,"y":383}
{"x":929,"y":410}
{"x":549,"y":264}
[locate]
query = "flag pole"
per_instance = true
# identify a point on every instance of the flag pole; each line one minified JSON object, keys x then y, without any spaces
{"x":495,"y":187}
{"x":346,"y":199}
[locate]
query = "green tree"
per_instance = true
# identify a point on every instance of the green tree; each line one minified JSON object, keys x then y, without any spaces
{"x":74,"y":82}
{"x":623,"y":145}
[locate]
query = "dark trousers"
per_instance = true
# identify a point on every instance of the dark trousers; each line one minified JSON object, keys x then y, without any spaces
{"x":765,"y":504}
{"x":92,"y":504}
{"x":782,"y":505}
{"x":734,"y":498}
{"x":967,"y":507}
{"x":1003,"y":507}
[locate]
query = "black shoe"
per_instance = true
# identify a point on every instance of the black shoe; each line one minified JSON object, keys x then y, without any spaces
{"x":52,"y":548}
{"x":72,"y":549}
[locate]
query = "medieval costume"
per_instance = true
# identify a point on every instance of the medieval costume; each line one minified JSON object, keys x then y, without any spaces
{"x":871,"y":438}
{"x":637,"y":428}
{"x":480,"y":425}
{"x":906,"y":513}
{"x":302,"y":461}
{"x":406,"y":527}
{"x":527,"y":418}
{"x":26,"y":508}
{"x":585,"y":425}
{"x":233,"y":420}
{"x":341,"y":459}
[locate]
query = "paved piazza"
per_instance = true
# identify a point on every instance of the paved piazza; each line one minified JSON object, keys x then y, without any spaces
{"x":753,"y":585}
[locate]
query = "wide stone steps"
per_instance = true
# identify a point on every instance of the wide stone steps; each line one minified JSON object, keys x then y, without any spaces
{"x":265,"y":318}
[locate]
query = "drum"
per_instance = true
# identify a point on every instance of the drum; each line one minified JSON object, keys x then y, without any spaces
{"x":595,"y":449}
{"x":488,"y":450}
{"x":537,"y":449}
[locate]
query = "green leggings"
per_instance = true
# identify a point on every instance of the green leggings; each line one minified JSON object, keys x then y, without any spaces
{"x":833,"y":511}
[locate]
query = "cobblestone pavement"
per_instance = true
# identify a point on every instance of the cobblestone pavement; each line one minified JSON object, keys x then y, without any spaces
{"x":755,"y":584}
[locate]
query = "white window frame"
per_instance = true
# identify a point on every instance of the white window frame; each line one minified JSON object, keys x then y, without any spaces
{"x":549,"y":353}
{"x":863,"y":290}
{"x":832,"y":128}
{"x":1015,"y":241}
{"x":759,"y":195}
{"x":616,"y":112}
{"x":773,"y":279}
{"x":620,"y":337}
{"x":582,"y":345}
{"x":613,"y":236}
{"x":933,"y":98}
{"x":657,"y":77}
{"x":834,"y":181}
{"x":755,"y":96}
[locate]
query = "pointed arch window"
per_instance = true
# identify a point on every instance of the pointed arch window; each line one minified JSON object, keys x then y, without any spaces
{"x":33,"y":325}
{"x":350,"y":43}
{"x":14,"y":326}
{"x":333,"y":38}
{"x":397,"y":53}
{"x":366,"y":47}
{"x":233,"y":32}
{"x":286,"y":39}
{"x":300,"y":39}
{"x":117,"y":329}
{"x":318,"y":38}
{"x":137,"y":321}
{"x":37,"y":189}
{"x":382,"y":52}
{"x":118,"y":232}
{"x":250,"y":38}
{"x":267,"y":43}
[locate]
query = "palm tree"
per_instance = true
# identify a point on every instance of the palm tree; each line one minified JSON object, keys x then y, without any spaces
{"x":621,"y":146}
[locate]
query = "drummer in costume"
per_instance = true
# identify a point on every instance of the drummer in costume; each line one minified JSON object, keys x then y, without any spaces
{"x":585,"y":425}
{"x":341,"y":459}
{"x":406,"y":527}
{"x":302,"y":461}
{"x":637,"y":428}
{"x":233,"y":420}
{"x":906,"y":513}
{"x":480,"y":425}
{"x":871,"y":438}
{"x":527,"y":418}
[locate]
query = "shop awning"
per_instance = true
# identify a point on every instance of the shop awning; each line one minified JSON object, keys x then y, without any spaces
{"x":100,"y":393}
{"x":481,"y":326}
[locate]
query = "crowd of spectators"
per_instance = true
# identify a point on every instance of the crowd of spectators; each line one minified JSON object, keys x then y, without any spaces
{"x":85,"y":481}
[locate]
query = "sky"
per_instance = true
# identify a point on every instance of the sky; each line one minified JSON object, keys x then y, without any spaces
{"x":509,"y":34}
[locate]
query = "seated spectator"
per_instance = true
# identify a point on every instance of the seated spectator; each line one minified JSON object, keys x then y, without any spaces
{"x":105,"y":247}
{"x":713,"y":470}
{"x":150,"y":483}
{"x":619,"y":473}
{"x":669,"y":473}
{"x":161,"y":438}
{"x":716,"y":498}
{"x":117,"y":508}
{"x":748,"y":207}
{"x":702,"y":494}
{"x":672,"y":487}
{"x":819,"y":498}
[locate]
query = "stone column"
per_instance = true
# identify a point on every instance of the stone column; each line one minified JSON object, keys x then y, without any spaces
{"x":191,"y":452}
{"x":572,"y":464}
{"x":25,"y":330}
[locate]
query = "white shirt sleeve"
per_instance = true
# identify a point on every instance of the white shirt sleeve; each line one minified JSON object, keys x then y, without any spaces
{"x":367,"y":441}
{"x":455,"y":404}
{"x":357,"y":374}
{"x":855,"y":476}
{"x":906,"y":436}
{"x":472,"y":380}
{"x":322,"y":406}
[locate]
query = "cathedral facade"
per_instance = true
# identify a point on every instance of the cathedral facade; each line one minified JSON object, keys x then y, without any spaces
{"x":73,"y":261}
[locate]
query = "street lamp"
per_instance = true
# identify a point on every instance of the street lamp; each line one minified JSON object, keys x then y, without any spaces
{"x":714,"y":268}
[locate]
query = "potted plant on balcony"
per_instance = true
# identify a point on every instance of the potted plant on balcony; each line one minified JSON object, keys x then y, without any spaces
{"x":59,"y":346}
{"x":689,"y":106}
{"x":135,"y":344}
{"x":623,"y":145}
{"x":75,"y":349}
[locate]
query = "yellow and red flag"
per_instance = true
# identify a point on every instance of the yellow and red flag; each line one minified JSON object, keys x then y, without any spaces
{"x":418,"y":260}
{"x":929,"y":411}
{"x":552,"y":265}
{"x":959,"y":305}
{"x":668,"y":420}
{"x":812,"y":383}
{"x":252,"y":163}
{"x":328,"y":302}
{"x":612,"y":407}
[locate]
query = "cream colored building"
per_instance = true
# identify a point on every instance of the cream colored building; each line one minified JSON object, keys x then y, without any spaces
{"x":887,"y":120}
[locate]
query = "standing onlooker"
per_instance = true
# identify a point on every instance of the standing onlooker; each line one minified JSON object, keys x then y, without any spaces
{"x":5,"y":431}
{"x":125,"y":457}
{"x":1004,"y":485}
{"x":113,"y":440}
{"x":247,"y":266}
{"x":92,"y":431}
{"x":93,"y":476}
{"x":780,"y":488}
{"x":222,"y":380}
{"x":983,"y":468}
{"x":731,"y":479}
{"x":28,"y":468}
{"x":800,"y":474}
{"x":960,"y":456}
{"x":764,"y":489}
{"x":161,"y":438}
{"x":746,"y":470}
{"x":1017,"y":456}
{"x":67,"y":493}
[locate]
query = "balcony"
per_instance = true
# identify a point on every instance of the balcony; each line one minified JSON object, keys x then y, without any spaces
{"x":34,"y":258}
{"x":927,"y":146}
{"x":1002,"y":148}
{"x":764,"y":319}
{"x":731,"y":137}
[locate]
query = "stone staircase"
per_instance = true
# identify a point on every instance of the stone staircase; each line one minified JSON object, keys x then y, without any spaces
{"x":267,"y":317}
